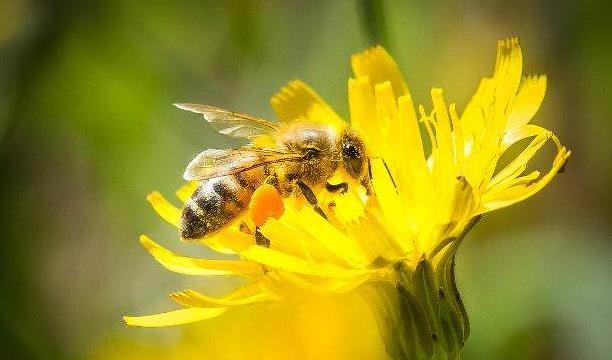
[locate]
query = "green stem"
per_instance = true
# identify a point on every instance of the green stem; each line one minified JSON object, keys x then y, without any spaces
{"x":372,"y":14}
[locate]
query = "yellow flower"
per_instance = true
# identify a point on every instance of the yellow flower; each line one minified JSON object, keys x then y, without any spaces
{"x":433,"y":174}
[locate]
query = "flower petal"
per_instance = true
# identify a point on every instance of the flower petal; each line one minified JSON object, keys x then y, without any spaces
{"x":525,"y":186}
{"x":377,"y":65}
{"x":527,"y":101}
{"x":176,"y":317}
{"x":363,"y":110}
{"x":193,"y":266}
{"x":299,"y":101}
{"x":287,"y":283}
{"x":408,"y":127}
{"x":508,"y":69}
{"x":520,"y":133}
{"x":520,"y":161}
{"x":185,"y":191}
{"x":332,"y":239}
{"x":281,"y":261}
{"x":164,"y":208}
{"x":444,"y":163}
{"x":286,"y":239}
{"x":194,"y":298}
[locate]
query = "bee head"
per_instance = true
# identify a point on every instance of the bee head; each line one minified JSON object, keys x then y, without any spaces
{"x":354,"y":158}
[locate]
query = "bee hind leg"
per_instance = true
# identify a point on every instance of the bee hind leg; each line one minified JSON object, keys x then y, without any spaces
{"x":333,"y":188}
{"x":311,"y":198}
{"x":261,"y":239}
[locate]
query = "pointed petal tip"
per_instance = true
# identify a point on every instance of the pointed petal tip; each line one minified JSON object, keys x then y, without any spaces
{"x":175,"y":317}
{"x":437,"y":91}
{"x":144,"y":240}
{"x":153,"y":196}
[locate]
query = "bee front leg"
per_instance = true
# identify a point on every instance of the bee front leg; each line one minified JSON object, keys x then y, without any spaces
{"x":333,"y":188}
{"x":310,"y":197}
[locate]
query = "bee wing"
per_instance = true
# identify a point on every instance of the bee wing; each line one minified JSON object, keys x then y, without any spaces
{"x":214,"y":163}
{"x":231,"y":123}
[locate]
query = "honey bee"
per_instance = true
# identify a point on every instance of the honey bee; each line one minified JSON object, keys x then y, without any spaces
{"x":304,"y":157}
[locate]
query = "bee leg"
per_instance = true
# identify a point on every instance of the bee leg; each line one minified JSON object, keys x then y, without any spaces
{"x":245,"y":228}
{"x":261,"y":239}
{"x":332,"y":188}
{"x":366,"y":184}
{"x":273,"y":180}
{"x":311,"y":198}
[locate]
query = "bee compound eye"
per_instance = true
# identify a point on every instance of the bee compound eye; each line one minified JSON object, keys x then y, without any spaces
{"x":352,"y":158}
{"x":349,"y":150}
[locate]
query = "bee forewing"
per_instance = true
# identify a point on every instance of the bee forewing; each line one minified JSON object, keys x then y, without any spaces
{"x":229,"y":122}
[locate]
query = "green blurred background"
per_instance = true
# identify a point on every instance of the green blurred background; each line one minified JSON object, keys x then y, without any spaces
{"x":87,"y":130}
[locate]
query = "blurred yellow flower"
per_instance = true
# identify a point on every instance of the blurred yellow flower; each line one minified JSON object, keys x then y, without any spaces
{"x":433,"y":174}
{"x":331,"y":327}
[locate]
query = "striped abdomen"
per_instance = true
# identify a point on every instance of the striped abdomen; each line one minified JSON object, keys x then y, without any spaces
{"x":217,"y":202}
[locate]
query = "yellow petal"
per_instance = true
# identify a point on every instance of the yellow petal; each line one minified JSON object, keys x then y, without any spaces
{"x":349,"y":207}
{"x":464,"y":204}
{"x":288,"y":240}
{"x":281,"y":261}
{"x":321,"y":231}
{"x":194,"y":298}
{"x":176,"y":317}
{"x":386,"y":115}
{"x":376,"y":64}
{"x":523,"y":132}
{"x":393,"y":210}
{"x":165,"y":209}
{"x":287,"y":283}
{"x":363,"y":111}
{"x":444,"y":141}
{"x":378,"y":240}
{"x":474,"y":115}
{"x":345,"y":285}
{"x":386,"y":192}
{"x":486,"y":116}
{"x":528,"y":101}
{"x":521,"y":160}
{"x":457,"y":134}
{"x":193,"y":266}
{"x":298,"y":101}
{"x":250,"y":293}
{"x":508,"y":68}
{"x":408,"y":127}
{"x":185,"y":191}
{"x":523,"y":187}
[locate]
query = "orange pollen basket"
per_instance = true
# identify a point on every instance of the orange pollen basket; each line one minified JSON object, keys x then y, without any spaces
{"x":266,"y":202}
